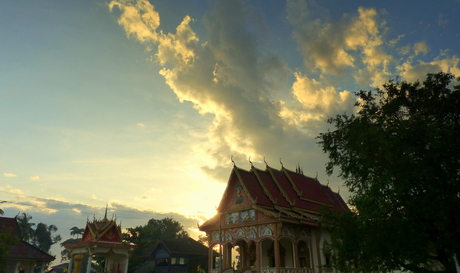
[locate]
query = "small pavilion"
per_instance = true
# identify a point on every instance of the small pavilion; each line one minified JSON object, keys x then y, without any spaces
{"x":102,"y":238}
{"x":268,"y":222}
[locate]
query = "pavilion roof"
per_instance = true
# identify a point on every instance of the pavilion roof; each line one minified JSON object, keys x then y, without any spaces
{"x":103,"y":232}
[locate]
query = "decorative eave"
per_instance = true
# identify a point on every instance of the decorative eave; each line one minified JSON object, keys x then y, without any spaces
{"x":289,"y":212}
{"x":102,"y":244}
{"x":245,"y":189}
{"x":267,"y":212}
{"x":313,"y":216}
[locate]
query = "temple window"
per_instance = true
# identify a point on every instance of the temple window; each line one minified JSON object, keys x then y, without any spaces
{"x":304,"y":255}
{"x":240,"y":216}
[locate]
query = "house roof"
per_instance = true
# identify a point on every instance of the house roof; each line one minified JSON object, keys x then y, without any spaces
{"x":9,"y":225}
{"x":22,"y":250}
{"x":283,"y":194}
{"x":184,"y":246}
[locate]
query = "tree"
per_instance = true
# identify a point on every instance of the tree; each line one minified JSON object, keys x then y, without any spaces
{"x":399,"y":156}
{"x":1,"y":211}
{"x":73,"y":231}
{"x":145,"y":236}
{"x":203,"y":239}
{"x":6,"y":241}
{"x":25,"y":226}
{"x":77,"y":231}
{"x":43,"y":237}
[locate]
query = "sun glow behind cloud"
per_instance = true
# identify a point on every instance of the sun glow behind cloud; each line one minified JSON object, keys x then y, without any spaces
{"x":148,"y":100}
{"x":230,"y":74}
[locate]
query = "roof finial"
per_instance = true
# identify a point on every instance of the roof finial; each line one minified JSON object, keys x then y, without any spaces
{"x":298,"y":169}
{"x":281,"y":164}
{"x":105,"y":215}
{"x":250,"y":162}
{"x":231,"y":158}
{"x":338,"y":189}
{"x":327,"y":183}
{"x":316,"y":175}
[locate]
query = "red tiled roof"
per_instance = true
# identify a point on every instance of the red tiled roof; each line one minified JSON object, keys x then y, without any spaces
{"x":9,"y":225}
{"x":23,"y":250}
{"x":254,"y":188}
{"x":266,"y":180}
{"x":283,"y":193}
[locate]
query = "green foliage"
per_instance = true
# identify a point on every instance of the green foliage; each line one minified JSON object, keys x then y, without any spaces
{"x":1,"y":210}
{"x":203,"y":239}
{"x":77,"y":231}
{"x":147,"y":235}
{"x":43,"y":237}
{"x":73,"y":231}
{"x":399,"y":156}
{"x":6,"y":241}
{"x":25,"y":226}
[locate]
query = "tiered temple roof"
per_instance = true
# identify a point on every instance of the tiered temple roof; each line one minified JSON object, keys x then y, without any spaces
{"x":103,"y":232}
{"x":282,"y":194}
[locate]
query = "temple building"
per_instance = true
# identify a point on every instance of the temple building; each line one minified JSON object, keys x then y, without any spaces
{"x":267,"y":222}
{"x":101,"y":238}
{"x":22,"y":257}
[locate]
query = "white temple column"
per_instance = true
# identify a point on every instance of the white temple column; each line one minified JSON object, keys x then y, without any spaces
{"x":69,"y":269}
{"x":88,"y":266}
{"x":125,"y":269}
{"x":42,"y":267}
{"x":16,"y":269}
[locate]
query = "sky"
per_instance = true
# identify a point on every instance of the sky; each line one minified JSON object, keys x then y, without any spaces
{"x":141,"y":106}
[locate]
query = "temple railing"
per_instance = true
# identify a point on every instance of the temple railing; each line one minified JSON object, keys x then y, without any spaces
{"x":286,"y":270}
{"x":273,"y":270}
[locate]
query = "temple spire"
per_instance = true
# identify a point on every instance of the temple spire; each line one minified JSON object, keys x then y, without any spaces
{"x":105,"y":215}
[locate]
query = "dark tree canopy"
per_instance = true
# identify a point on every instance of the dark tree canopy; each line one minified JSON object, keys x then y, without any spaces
{"x":25,"y":226}
{"x":43,"y":236}
{"x":147,"y":235}
{"x":6,"y":241}
{"x":73,"y":231}
{"x":399,"y":156}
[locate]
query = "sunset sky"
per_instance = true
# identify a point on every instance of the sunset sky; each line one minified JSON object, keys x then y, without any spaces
{"x":140,"y":105}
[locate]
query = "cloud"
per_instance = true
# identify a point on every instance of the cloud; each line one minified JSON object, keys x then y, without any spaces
{"x":420,"y":48}
{"x":35,"y":177}
{"x":297,"y":10}
{"x":442,"y":21}
{"x":314,"y":96}
{"x":138,"y":18}
{"x":9,"y":175}
{"x":238,"y":82}
{"x":141,"y":125}
{"x":65,"y":215}
{"x":412,"y":72}
{"x":232,"y":77}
